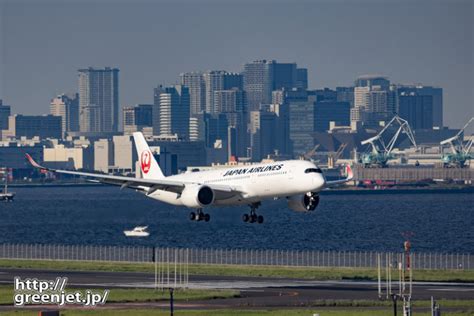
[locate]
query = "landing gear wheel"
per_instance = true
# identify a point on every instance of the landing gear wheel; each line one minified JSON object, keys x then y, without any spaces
{"x":199,"y":216}
{"x":253,"y":217}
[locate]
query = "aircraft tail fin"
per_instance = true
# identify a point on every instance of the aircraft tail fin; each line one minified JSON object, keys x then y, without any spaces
{"x":148,"y":165}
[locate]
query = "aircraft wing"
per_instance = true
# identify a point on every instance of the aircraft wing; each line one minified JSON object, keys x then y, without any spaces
{"x":147,"y":185}
{"x":350,"y":176}
{"x":124,"y":182}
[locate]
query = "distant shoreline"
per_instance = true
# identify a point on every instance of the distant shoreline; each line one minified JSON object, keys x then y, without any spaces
{"x":52,"y":185}
{"x":428,"y":190}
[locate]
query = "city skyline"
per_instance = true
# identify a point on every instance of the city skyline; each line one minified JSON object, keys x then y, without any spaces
{"x":436,"y":51}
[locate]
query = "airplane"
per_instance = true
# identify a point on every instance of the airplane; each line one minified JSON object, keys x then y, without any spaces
{"x":298,"y":181}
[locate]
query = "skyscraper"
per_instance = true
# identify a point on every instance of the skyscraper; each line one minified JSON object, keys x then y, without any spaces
{"x":217,"y":80}
{"x":258,"y":83}
{"x":301,"y":126}
{"x":262,"y":77}
{"x":264,"y":125}
{"x":98,"y":99}
{"x":327,"y":111}
{"x":233,"y":80}
{"x":67,"y":107}
{"x":232,"y":100}
{"x":417,"y":110}
{"x":302,"y":78}
{"x":173,"y":105}
{"x":325,"y":94}
{"x":5,"y":112}
{"x":232,"y":104}
{"x":434,"y":92}
{"x":137,"y":117}
{"x":374,"y":100}
{"x":284,"y":76}
{"x":203,"y":85}
{"x":345,"y":94}
{"x":197,"y":91}
{"x":214,"y":81}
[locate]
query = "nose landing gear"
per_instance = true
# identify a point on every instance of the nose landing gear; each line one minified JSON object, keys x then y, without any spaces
{"x":311,"y":201}
{"x":199,"y":216}
{"x":253,"y":217}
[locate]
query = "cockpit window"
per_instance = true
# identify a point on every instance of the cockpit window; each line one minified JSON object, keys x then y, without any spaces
{"x":315,"y":170}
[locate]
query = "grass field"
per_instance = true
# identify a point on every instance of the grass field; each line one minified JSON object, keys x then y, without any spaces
{"x":236,"y":270}
{"x":226,"y":312}
{"x":321,"y":307}
{"x":138,"y":295}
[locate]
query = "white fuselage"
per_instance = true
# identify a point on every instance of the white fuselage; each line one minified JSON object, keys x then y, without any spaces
{"x":256,"y":182}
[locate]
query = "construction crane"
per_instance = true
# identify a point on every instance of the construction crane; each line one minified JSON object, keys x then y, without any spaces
{"x":460,"y":150}
{"x":310,"y":154}
{"x":381,"y":153}
{"x":334,"y":156}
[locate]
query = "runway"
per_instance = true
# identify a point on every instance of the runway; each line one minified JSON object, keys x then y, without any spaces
{"x":255,"y":291}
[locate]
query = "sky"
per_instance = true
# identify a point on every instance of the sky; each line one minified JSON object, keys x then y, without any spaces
{"x":43,"y":44}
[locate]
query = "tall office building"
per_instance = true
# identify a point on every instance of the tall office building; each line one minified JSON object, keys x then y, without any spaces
{"x":98,"y":99}
{"x":232,"y":104}
{"x":373,"y":80}
{"x":301,"y":78}
{"x":325,"y":94}
{"x":214,"y":81}
{"x":29,"y":126}
{"x":173,"y":105}
{"x":301,"y":126}
{"x":434,"y":92}
{"x":294,"y":95}
{"x":218,"y":80}
{"x":264,"y":125}
{"x":345,"y":94}
{"x":233,"y":80}
{"x":374,"y":100}
{"x":258,"y":83}
{"x":137,"y":117}
{"x":5,"y":112}
{"x":330,"y":111}
{"x":262,"y":77}
{"x":282,"y":132}
{"x":197,"y":91}
{"x":215,"y":126}
{"x":232,"y":100}
{"x":67,"y":107}
{"x":417,"y":110}
{"x":203,"y":85}
{"x":283,"y":102}
{"x":284,"y":76}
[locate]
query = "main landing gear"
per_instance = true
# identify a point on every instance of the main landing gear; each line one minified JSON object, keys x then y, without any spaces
{"x":253,"y":217}
{"x":199,"y":216}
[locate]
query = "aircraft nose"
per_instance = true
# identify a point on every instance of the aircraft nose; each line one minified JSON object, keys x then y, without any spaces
{"x":318,"y":181}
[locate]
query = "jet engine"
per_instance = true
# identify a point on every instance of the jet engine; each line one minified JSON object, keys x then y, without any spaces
{"x":303,"y":203}
{"x":197,"y":196}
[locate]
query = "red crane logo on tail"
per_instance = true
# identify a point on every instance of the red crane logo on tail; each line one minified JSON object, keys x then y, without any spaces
{"x":145,"y":161}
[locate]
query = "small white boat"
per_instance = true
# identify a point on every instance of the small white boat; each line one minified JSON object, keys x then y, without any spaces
{"x":139,"y":231}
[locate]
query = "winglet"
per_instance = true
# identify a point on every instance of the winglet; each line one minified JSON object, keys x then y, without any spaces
{"x":34,"y":163}
{"x":349,"y":173}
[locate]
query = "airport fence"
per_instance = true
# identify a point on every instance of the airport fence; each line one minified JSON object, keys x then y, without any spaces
{"x":254,"y":257}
